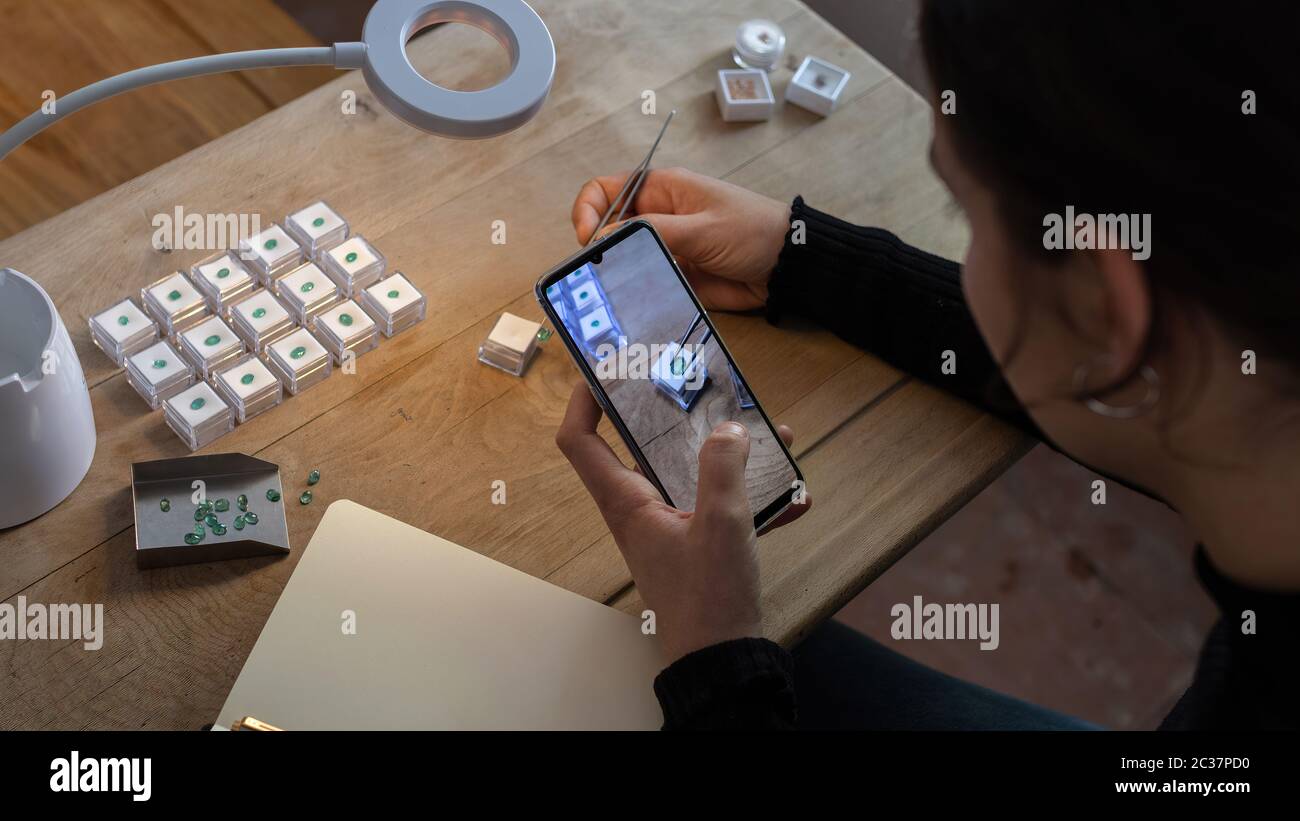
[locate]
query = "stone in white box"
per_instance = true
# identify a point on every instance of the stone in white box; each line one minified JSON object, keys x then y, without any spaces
{"x":224,"y":280}
{"x":261,"y":320}
{"x":347,"y":327}
{"x":174,"y":303}
{"x":248,"y":386}
{"x":122,"y":330}
{"x":299,"y":360}
{"x":817,"y":86}
{"x":595,"y":324}
{"x":198,"y":415}
{"x":209,"y":345}
{"x":316,"y":227}
{"x":354,"y":264}
{"x":744,"y":95}
{"x":586,"y":297}
{"x":306,"y":292}
{"x":271,"y":253}
{"x":511,"y":344}
{"x":394,"y":303}
{"x":158,"y":373}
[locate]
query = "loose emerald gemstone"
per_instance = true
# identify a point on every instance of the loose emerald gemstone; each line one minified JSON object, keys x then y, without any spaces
{"x":174,"y":295}
{"x":160,"y":363}
{"x":242,"y":501}
{"x":305,"y":498}
{"x":206,"y":507}
{"x":212,"y":520}
{"x":246,"y":379}
{"x":219,"y":529}
{"x":258,"y":313}
{"x":679,"y":366}
{"x":313,"y":477}
{"x":351,"y":257}
{"x":298,"y":352}
{"x":165,"y":505}
{"x":307,"y":287}
{"x":582,"y":295}
{"x":222,"y":505}
{"x":124,"y":320}
{"x":199,"y":514}
{"x":199,"y":530}
{"x":270,"y":244}
{"x":394,"y":294}
{"x":273,"y":495}
{"x":595,"y":323}
{"x":198,"y":403}
{"x":223,"y":273}
{"x":212,"y":340}
{"x":239,"y":523}
{"x":193,"y":538}
{"x":250,"y":518}
{"x":345,"y":320}
{"x":318,"y":222}
{"x":543,"y":334}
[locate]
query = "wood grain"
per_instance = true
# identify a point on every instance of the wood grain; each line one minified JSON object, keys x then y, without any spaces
{"x":421,"y":431}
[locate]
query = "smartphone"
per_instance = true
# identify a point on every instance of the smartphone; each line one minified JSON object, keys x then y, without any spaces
{"x":657,"y":366}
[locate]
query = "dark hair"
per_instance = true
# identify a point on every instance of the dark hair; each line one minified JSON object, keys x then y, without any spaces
{"x":1138,"y":107}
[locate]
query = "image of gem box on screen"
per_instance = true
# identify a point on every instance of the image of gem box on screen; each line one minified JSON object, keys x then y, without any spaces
{"x":662,"y":369}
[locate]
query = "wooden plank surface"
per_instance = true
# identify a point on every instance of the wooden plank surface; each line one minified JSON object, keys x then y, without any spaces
{"x":422,"y":430}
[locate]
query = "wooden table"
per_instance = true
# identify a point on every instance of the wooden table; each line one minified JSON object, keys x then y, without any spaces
{"x":422,"y":430}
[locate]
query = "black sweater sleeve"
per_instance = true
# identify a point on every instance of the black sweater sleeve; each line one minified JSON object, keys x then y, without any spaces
{"x":898,"y":302}
{"x":746,"y":684}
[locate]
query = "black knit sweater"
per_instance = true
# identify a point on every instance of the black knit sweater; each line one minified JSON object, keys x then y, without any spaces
{"x":906,"y":306}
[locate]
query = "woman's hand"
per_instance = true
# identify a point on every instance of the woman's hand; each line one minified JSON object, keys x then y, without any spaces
{"x":697,"y":571}
{"x":726,"y":239}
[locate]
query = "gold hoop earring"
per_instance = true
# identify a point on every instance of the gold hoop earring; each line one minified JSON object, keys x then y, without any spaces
{"x":1101,"y":408}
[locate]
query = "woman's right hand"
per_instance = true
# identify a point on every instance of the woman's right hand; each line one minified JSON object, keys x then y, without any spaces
{"x":725,"y":238}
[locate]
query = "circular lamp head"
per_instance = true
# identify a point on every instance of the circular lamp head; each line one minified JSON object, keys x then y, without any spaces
{"x":459,"y":114}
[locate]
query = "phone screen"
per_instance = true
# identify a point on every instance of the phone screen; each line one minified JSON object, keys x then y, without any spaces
{"x":657,"y":365}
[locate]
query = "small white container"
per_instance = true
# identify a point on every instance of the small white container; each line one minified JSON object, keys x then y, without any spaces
{"x":394,"y":303}
{"x":306,"y":292}
{"x":198,"y":415}
{"x":271,"y":254}
{"x":299,"y":360}
{"x":261,"y":319}
{"x":224,"y":280}
{"x":209,"y":345}
{"x":759,"y":44}
{"x":316,"y":227}
{"x":817,"y":86}
{"x":122,"y":330}
{"x":346,"y":327}
{"x":354,"y":264}
{"x":248,"y":386}
{"x":158,"y":373}
{"x":511,"y":344}
{"x":744,"y":95}
{"x":174,"y":303}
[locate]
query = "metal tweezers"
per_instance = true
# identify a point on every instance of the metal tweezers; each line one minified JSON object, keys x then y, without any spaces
{"x":633,"y":181}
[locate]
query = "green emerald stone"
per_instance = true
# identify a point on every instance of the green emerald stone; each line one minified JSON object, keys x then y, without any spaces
{"x":543,"y":334}
{"x":242,"y":501}
{"x":258,"y":313}
{"x":393,"y":294}
{"x":160,"y":363}
{"x":165,"y":505}
{"x":250,"y":518}
{"x":174,"y":295}
{"x":239,"y":523}
{"x":124,"y":320}
{"x":206,"y":507}
{"x":222,"y":505}
{"x":298,"y":352}
{"x":595,"y":323}
{"x":307,"y":287}
{"x":679,"y":366}
{"x":212,"y":340}
{"x":212,"y":520}
{"x":318,"y":222}
{"x":199,"y":530}
{"x":273,"y":495}
{"x":305,"y":498}
{"x":223,"y":273}
{"x":270,"y":244}
{"x":198,"y":403}
{"x":246,"y":379}
{"x":219,"y":529}
{"x":199,"y":514}
{"x":582,"y":295}
{"x":313,"y":477}
{"x":193,"y":538}
{"x":351,"y":257}
{"x":345,"y":319}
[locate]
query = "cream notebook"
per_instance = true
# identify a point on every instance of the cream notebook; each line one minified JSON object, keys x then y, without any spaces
{"x":445,"y":639}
